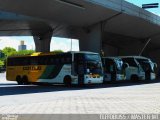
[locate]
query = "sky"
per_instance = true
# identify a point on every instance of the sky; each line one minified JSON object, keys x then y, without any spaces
{"x":140,"y":2}
{"x":56,"y":43}
{"x":63,"y":43}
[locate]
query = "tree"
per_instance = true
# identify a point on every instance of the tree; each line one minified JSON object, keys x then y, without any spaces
{"x":25,"y":52}
{"x":8,"y":51}
{"x":2,"y":55}
{"x":1,"y":63}
{"x":57,"y":51}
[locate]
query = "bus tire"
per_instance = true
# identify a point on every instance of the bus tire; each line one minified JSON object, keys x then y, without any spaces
{"x":25,"y":80}
{"x":19,"y":80}
{"x":67,"y":80}
{"x":134,"y":78}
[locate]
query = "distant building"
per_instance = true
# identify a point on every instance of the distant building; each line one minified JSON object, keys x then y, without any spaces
{"x":22,"y":46}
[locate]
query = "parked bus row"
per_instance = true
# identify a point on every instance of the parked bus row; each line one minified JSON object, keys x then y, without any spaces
{"x":77,"y":68}
{"x":132,"y":68}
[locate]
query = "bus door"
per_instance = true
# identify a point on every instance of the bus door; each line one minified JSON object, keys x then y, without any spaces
{"x":110,"y":69}
{"x":147,"y":69}
{"x":113,"y":71}
{"x":79,"y":67}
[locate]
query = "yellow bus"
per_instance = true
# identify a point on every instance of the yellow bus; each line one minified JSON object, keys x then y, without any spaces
{"x":64,"y":68}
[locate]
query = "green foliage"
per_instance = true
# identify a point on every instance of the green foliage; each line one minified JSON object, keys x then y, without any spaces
{"x":1,"y":63}
{"x":57,"y":51}
{"x":25,"y":52}
{"x":8,"y":51}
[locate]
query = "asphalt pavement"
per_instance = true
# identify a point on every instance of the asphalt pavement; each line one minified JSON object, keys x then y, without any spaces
{"x":123,"y":98}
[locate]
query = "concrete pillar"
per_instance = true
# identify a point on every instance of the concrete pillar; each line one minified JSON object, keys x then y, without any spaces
{"x":90,"y":39}
{"x":42,"y":42}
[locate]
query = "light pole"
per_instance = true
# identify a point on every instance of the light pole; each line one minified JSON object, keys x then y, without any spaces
{"x":145,"y":46}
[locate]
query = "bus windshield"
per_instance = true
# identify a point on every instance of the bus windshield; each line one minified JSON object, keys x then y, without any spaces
{"x":119,"y":64}
{"x":146,"y":64}
{"x":93,"y":63}
{"x":92,"y":57}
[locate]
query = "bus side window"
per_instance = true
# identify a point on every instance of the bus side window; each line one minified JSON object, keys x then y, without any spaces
{"x":130,"y":61}
{"x":34,"y":61}
{"x":10,"y":61}
{"x":52,"y":61}
{"x":46,"y":60}
{"x":109,"y":65}
{"x":17,"y":61}
{"x":25,"y":61}
{"x":68,"y":59}
{"x":41,"y":60}
{"x":57,"y":60}
{"x":62,"y":60}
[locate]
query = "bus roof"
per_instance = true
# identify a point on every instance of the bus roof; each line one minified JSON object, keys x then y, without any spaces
{"x":87,"y":52}
{"x":112,"y":57}
{"x":139,"y":57}
{"x":51,"y":53}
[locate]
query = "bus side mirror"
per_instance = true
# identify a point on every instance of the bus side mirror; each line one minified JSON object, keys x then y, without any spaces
{"x":155,"y":64}
{"x":125,"y":65}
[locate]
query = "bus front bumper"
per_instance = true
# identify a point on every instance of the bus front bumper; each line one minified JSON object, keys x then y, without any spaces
{"x":153,"y":76}
{"x":93,"y":79}
{"x":120,"y":77}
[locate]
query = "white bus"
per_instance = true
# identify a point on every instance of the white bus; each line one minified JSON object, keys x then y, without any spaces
{"x":113,"y":69}
{"x":140,"y":68}
{"x":64,"y":68}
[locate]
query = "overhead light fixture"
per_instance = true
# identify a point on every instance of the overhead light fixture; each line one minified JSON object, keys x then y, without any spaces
{"x":71,"y":4}
{"x":152,"y":5}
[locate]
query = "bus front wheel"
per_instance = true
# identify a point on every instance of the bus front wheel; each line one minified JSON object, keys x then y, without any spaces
{"x":19,"y":80}
{"x":67,"y":80}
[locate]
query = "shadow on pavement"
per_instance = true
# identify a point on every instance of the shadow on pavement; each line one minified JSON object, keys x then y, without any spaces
{"x":14,"y":89}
